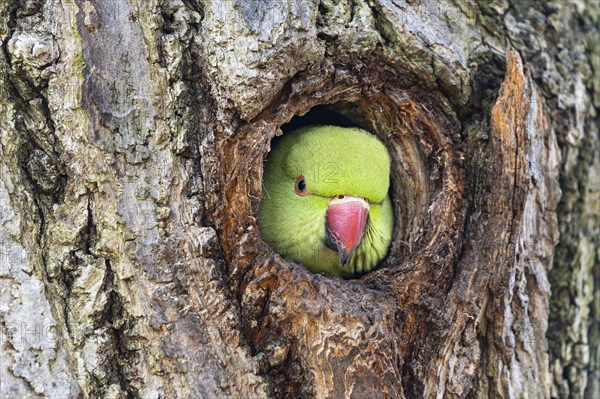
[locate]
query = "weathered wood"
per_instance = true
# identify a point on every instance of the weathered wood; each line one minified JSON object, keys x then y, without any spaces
{"x":132,"y":141}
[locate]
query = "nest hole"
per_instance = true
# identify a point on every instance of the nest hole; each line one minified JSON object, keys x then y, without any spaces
{"x":425,"y":179}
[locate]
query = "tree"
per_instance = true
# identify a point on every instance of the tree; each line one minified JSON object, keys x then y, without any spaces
{"x":132,"y":142}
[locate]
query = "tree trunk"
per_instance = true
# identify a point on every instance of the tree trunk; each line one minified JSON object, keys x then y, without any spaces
{"x":132,"y":140}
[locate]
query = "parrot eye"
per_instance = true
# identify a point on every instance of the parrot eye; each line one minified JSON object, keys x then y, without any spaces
{"x":300,"y":186}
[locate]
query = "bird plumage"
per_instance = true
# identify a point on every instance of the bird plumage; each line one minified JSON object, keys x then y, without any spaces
{"x":308,"y":169}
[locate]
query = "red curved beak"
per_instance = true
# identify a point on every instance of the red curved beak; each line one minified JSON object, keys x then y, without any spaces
{"x":346,"y":218}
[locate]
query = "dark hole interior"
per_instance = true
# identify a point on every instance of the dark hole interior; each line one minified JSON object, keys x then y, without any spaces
{"x":319,"y":115}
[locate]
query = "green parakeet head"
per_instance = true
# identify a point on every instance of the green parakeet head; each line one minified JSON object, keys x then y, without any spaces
{"x":325,"y":200}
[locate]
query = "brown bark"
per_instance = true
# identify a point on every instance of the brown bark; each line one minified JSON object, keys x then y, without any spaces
{"x":132,"y":142}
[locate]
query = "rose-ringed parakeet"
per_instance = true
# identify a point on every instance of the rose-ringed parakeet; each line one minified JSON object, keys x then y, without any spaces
{"x":325,"y":199}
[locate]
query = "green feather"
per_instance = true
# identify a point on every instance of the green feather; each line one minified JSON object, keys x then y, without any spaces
{"x":334,"y":161}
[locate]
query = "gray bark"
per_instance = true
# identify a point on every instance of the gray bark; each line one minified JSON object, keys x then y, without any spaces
{"x":132,"y":136}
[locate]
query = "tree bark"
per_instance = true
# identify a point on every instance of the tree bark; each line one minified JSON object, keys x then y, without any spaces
{"x":132,"y":139}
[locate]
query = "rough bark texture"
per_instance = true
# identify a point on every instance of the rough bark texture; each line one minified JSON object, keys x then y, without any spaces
{"x":132,"y":136}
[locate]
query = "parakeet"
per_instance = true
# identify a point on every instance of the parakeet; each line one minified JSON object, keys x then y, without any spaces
{"x":325,"y":201}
